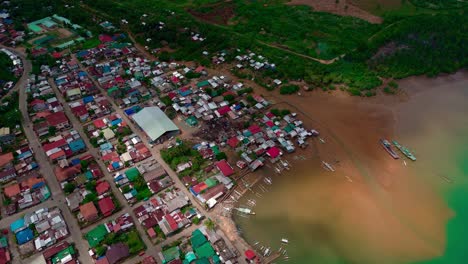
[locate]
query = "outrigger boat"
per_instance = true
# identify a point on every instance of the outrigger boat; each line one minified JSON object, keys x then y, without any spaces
{"x":284,"y":241}
{"x":388,"y":147}
{"x":404,"y":150}
{"x":245,"y":211}
{"x":328,"y":166}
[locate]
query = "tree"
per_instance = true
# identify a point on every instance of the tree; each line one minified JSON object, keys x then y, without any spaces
{"x":210,"y":224}
{"x":52,"y":130}
{"x":289,"y":89}
{"x":221,"y":156}
{"x":84,"y":165}
{"x":195,"y":220}
{"x":229,"y":97}
{"x":69,"y":188}
{"x":91,"y":186}
{"x":90,"y":197}
{"x":100,"y":250}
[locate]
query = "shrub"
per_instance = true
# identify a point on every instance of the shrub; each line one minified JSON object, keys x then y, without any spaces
{"x":289,"y":89}
{"x":221,"y":156}
{"x":388,"y":90}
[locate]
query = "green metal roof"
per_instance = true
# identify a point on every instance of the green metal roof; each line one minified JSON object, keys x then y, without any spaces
{"x":205,"y":251}
{"x":34,"y":28}
{"x":202,"y":261}
{"x":171,"y":254}
{"x":191,"y":121}
{"x":190,"y":256}
{"x":154,"y":122}
{"x":132,"y":174}
{"x":203,"y":83}
{"x":62,"y":254}
{"x":211,"y":182}
{"x":96,"y":235}
{"x":3,"y":242}
{"x":197,"y":239}
{"x":215,"y":150}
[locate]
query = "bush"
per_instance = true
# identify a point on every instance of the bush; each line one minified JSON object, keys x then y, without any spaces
{"x":244,"y":91}
{"x":230,"y":98}
{"x":221,"y":156}
{"x":69,"y":188}
{"x":388,"y":90}
{"x":393,"y":84}
{"x":166,"y":100}
{"x":289,"y":89}
{"x":354,"y":91}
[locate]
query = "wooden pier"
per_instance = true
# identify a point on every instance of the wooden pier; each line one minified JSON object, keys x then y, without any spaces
{"x":274,"y":256}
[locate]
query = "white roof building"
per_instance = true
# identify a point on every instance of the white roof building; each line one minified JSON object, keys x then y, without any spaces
{"x":154,"y":122}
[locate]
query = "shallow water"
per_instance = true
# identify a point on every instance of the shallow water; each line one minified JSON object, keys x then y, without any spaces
{"x":390,"y":213}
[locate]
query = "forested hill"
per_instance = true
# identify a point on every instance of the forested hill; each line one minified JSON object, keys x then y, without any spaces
{"x":422,"y":37}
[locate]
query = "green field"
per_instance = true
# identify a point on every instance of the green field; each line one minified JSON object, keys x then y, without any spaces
{"x":413,"y":39}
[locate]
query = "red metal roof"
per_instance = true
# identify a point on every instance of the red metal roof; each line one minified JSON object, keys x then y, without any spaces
{"x":99,"y":123}
{"x":199,"y":187}
{"x":102,"y":187}
{"x":254,"y":129}
{"x":250,"y":254}
{"x":224,"y":110}
{"x":224,"y":167}
{"x":233,"y":142}
{"x":106,"y":205}
{"x":172,"y":222}
{"x":56,"y":119}
{"x":56,"y":144}
{"x":273,"y":152}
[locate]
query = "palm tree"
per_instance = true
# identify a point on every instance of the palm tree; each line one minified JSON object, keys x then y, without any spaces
{"x":210,"y":224}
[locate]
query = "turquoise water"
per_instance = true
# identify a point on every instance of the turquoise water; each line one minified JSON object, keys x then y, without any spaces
{"x":457,"y":232}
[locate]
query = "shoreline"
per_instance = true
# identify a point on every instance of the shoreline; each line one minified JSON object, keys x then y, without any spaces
{"x":383,"y":109}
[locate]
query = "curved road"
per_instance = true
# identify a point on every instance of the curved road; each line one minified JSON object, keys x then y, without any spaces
{"x":58,"y":199}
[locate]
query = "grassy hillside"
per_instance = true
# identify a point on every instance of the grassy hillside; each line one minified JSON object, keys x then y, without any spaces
{"x":413,"y":39}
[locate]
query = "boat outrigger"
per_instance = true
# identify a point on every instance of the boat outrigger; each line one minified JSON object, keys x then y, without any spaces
{"x":328,"y":166}
{"x":388,"y":147}
{"x":404,"y":150}
{"x":245,"y":211}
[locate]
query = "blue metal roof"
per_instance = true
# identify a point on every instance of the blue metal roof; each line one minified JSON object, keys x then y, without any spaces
{"x":116,"y":122}
{"x":17,"y":225}
{"x":77,"y":145}
{"x":106,"y":146}
{"x":82,"y":53}
{"x":24,"y":236}
{"x":116,"y":165}
{"x":88,"y":99}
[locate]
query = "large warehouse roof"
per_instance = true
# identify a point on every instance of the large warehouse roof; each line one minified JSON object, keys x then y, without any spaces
{"x":154,"y":122}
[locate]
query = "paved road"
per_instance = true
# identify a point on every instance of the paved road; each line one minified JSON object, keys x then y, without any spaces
{"x":125,"y":208}
{"x":45,"y":170}
{"x":155,"y":151}
{"x":27,"y":68}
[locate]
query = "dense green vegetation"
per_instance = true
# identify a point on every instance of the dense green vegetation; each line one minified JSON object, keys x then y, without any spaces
{"x":5,"y":68}
{"x":439,"y":4}
{"x":428,"y":38}
{"x":180,"y":154}
{"x":11,"y":116}
{"x":289,"y":89}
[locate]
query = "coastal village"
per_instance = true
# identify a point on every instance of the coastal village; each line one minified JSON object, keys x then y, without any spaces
{"x":116,"y":160}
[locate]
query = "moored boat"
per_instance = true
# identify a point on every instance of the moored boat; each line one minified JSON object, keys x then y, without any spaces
{"x":388,"y":147}
{"x":245,"y":211}
{"x":404,"y":150}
